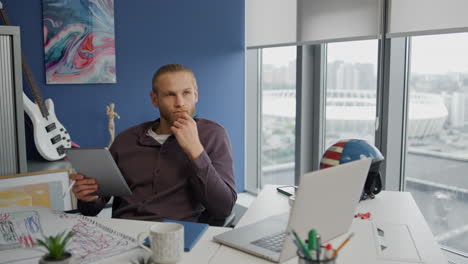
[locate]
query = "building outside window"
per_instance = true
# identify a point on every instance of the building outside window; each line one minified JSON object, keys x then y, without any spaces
{"x":278,"y":93}
{"x":437,"y":136}
{"x":351,"y":90}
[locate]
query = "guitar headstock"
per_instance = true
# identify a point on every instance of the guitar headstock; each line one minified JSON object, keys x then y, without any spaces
{"x":3,"y":16}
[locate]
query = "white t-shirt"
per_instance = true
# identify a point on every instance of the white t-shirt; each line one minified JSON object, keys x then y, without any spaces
{"x":159,"y":138}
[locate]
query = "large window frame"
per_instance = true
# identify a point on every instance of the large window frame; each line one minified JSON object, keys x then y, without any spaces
{"x":453,"y":255}
{"x":392,"y":103}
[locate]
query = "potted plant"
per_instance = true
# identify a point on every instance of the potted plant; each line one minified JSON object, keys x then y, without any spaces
{"x":55,"y":246}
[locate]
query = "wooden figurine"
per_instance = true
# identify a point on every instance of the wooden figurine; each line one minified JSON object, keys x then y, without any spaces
{"x":111,"y":114}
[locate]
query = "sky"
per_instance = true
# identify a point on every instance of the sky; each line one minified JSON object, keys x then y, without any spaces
{"x":440,"y":53}
{"x":436,"y":54}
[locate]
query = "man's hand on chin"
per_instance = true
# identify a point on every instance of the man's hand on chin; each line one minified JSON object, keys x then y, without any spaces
{"x":186,"y":132}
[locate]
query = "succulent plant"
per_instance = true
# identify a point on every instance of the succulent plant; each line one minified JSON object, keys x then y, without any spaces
{"x":56,"y":244}
{"x":142,"y":260}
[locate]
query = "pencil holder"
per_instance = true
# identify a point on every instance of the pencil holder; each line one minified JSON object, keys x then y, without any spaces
{"x":305,"y":260}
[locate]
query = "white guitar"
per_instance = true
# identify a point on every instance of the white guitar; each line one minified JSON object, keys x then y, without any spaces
{"x":50,"y":137}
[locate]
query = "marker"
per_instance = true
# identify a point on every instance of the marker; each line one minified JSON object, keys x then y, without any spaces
{"x":342,"y":245}
{"x":69,"y":188}
{"x":312,"y":242}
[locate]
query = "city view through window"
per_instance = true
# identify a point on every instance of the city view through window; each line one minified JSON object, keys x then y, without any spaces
{"x":437,"y":136}
{"x":350,"y":105}
{"x":278,"y":78}
{"x":351,"y":87}
{"x":436,"y":157}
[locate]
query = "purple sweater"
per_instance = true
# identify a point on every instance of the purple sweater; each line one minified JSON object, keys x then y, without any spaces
{"x":165,"y":182}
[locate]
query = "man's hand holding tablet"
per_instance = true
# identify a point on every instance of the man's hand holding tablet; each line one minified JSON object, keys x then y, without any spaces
{"x":84,"y":188}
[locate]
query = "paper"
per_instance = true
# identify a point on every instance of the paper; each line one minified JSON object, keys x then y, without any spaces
{"x":20,"y":227}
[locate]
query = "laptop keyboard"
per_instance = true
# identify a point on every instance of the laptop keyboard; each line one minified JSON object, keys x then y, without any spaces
{"x":272,"y":242}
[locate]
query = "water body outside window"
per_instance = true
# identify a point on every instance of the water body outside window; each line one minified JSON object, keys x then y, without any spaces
{"x":278,"y":86}
{"x":437,"y":136}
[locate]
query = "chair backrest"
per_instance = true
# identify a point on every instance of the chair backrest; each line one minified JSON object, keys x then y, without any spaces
{"x":206,"y":218}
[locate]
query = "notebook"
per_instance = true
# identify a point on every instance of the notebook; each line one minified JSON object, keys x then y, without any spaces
{"x":93,"y":241}
{"x":192,"y":233}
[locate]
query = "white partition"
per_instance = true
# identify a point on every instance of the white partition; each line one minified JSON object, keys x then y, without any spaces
{"x":12,"y":141}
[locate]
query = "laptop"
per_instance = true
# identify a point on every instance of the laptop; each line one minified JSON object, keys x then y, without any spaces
{"x":326,"y":200}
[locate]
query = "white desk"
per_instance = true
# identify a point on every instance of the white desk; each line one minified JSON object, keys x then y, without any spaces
{"x":387,"y":207}
{"x":202,"y":252}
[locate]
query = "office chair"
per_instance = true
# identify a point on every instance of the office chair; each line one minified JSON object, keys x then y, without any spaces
{"x":228,"y":221}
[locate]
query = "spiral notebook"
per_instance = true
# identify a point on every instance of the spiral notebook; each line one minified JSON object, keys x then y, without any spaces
{"x":92,"y":240}
{"x":192,"y":233}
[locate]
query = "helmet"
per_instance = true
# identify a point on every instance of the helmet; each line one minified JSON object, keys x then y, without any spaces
{"x":349,"y":150}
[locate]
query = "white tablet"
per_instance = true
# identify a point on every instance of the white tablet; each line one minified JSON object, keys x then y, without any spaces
{"x":97,"y":163}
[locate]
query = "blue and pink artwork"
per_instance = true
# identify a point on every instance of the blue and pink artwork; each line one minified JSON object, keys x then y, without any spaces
{"x":79,"y":43}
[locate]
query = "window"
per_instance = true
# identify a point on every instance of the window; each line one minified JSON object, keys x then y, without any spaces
{"x":278,"y":115}
{"x":351,"y":90}
{"x":424,"y":141}
{"x":437,"y":136}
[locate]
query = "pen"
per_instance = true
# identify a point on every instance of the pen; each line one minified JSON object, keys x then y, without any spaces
{"x":297,"y":244}
{"x":69,"y":188}
{"x":317,"y":241}
{"x":304,"y":248}
{"x":342,"y":245}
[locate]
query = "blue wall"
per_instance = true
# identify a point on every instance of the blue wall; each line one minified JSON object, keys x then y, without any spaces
{"x":207,"y":36}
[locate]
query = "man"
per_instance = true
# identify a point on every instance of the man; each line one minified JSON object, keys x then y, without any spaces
{"x":177,"y":166}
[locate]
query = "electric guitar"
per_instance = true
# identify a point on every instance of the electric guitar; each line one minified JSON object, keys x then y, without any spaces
{"x":50,"y":137}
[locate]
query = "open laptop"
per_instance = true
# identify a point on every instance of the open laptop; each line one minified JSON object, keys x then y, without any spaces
{"x":326,"y":200}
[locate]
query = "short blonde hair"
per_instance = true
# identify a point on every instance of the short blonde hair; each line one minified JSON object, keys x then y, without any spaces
{"x":171,"y":68}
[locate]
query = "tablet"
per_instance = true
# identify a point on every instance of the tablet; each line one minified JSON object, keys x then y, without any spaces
{"x":97,"y":163}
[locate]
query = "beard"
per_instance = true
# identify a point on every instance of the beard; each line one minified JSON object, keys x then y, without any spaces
{"x":170,"y":117}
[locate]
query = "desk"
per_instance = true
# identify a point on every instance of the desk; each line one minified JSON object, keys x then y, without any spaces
{"x":202,"y":252}
{"x":387,"y":207}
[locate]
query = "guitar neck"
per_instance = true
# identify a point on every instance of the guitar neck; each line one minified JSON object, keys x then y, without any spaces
{"x":39,"y":100}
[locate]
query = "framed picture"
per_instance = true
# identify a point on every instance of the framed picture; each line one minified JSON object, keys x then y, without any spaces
{"x":79,"y":41}
{"x":44,"y":188}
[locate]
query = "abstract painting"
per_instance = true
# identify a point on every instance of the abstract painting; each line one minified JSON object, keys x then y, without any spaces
{"x":79,"y":42}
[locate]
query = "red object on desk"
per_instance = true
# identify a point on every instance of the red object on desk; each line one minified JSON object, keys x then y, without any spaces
{"x":363,"y":215}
